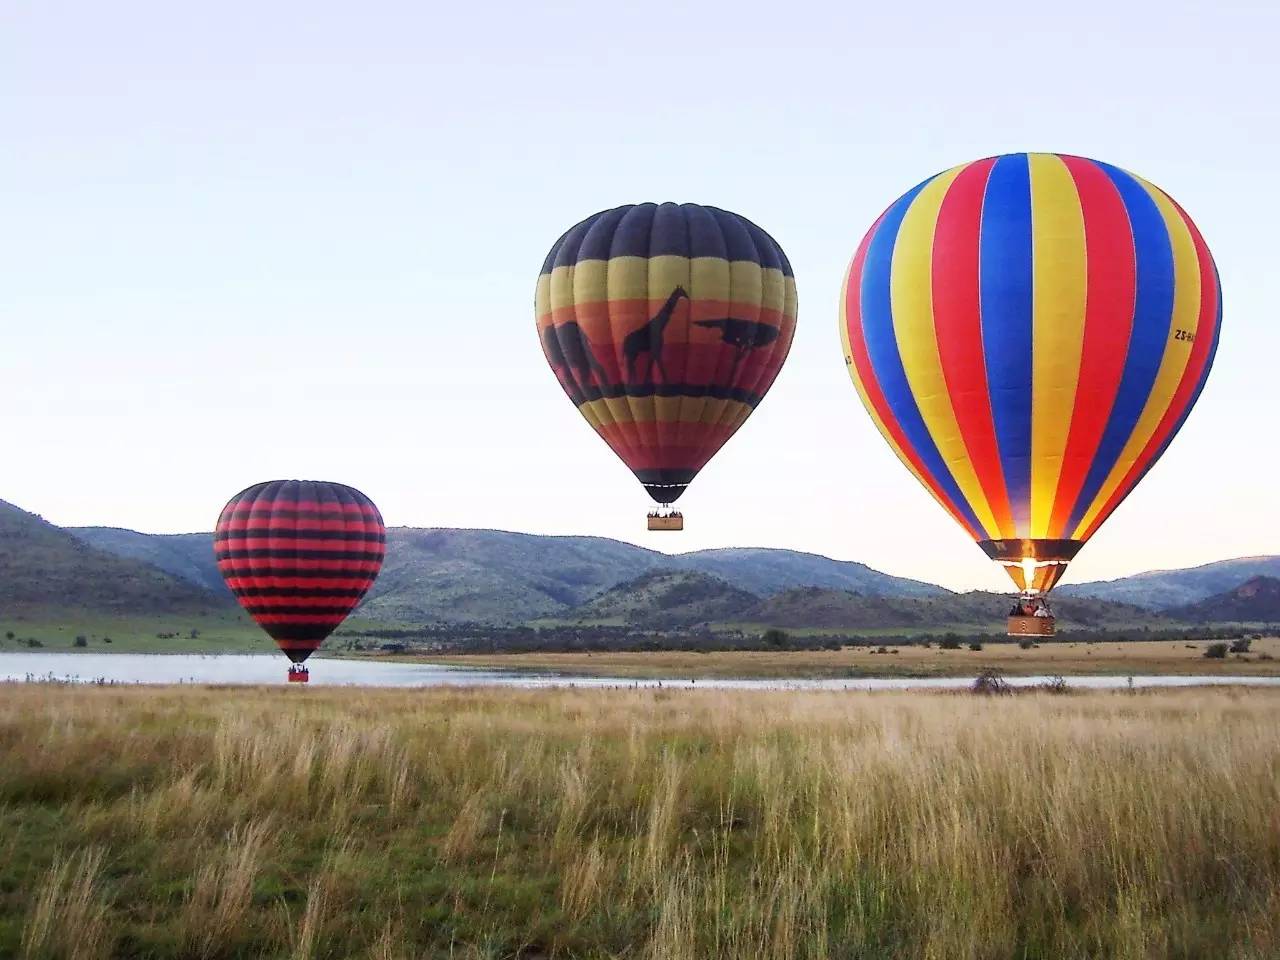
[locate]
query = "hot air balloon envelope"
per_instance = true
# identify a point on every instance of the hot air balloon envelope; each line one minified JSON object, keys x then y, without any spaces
{"x":1029,"y":332}
{"x":299,"y":555}
{"x":666,"y":325}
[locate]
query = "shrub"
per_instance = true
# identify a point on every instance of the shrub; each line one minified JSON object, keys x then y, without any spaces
{"x":776,"y":638}
{"x":1025,"y":644}
{"x":81,"y":640}
{"x":1216,"y":651}
{"x":991,"y":682}
{"x":1055,"y":685}
{"x":1241,"y":645}
{"x":949,"y":643}
{"x":195,"y":634}
{"x":975,"y":645}
{"x":8,"y":634}
{"x":32,"y":642}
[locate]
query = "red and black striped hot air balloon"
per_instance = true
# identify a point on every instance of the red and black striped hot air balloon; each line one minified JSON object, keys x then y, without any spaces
{"x":666,"y":324}
{"x":299,"y":555}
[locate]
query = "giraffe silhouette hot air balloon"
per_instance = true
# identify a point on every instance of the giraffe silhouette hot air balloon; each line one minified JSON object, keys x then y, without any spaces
{"x":1029,"y":333}
{"x":666,"y":325}
{"x":299,"y":555}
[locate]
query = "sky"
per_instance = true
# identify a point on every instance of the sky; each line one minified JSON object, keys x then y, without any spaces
{"x":243,"y":241}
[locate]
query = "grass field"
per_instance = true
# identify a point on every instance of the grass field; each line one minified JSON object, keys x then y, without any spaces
{"x":638,"y":824}
{"x":231,"y":632}
{"x":215,"y":633}
{"x":1067,"y":658}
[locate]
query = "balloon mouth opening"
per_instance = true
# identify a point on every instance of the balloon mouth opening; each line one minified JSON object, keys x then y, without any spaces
{"x":1034,"y":566}
{"x":1033,"y":576}
{"x":665,"y":494}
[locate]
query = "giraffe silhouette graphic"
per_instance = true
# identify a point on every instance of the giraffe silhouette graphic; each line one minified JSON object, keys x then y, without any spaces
{"x":743,"y":335}
{"x":649,"y":339}
{"x":567,"y":346}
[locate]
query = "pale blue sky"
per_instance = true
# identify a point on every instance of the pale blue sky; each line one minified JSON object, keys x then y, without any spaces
{"x":243,"y":241}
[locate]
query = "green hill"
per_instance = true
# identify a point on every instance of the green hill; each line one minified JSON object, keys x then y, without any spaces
{"x":769,"y":571}
{"x":44,"y":568}
{"x":188,"y":556}
{"x":812,"y":608}
{"x":665,"y":599}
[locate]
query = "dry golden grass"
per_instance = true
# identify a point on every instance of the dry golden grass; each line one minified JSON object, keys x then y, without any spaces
{"x":638,"y":824}
{"x":1138,"y":657}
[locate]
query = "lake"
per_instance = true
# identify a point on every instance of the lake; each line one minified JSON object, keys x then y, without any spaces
{"x":267,"y":669}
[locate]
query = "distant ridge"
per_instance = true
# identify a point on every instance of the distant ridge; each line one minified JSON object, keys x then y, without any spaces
{"x":1166,"y":589}
{"x":666,"y":599}
{"x":188,"y":556}
{"x":1257,"y":600}
{"x":44,"y":568}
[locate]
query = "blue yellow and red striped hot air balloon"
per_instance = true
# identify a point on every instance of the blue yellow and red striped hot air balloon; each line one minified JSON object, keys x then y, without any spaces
{"x":299,"y":555}
{"x":666,"y":325}
{"x":1029,"y":332}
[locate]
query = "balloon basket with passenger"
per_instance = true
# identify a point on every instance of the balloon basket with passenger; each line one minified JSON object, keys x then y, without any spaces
{"x":299,"y":674}
{"x":1031,"y":617}
{"x":1035,"y":572}
{"x":666,"y":519}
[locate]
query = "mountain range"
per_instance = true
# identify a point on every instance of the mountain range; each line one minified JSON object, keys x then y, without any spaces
{"x":492,"y":576}
{"x":452,"y":576}
{"x":1257,"y":599}
{"x":1169,"y":589}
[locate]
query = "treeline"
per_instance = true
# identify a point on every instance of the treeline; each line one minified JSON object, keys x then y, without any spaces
{"x":454,"y":638}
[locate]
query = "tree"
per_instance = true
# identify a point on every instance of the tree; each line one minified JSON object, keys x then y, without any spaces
{"x":776,"y":638}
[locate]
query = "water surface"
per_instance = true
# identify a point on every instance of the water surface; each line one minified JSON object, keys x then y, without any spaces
{"x":268,"y":669}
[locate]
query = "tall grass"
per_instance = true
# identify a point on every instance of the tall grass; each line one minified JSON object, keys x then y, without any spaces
{"x":67,"y":918}
{"x":660,"y":824}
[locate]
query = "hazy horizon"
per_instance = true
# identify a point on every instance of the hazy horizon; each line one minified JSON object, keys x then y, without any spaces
{"x":248,"y":243}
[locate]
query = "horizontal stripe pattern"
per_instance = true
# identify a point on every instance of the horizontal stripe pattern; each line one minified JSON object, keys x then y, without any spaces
{"x":1029,"y":332}
{"x":665,"y":325}
{"x":299,"y":556}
